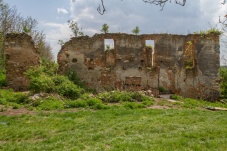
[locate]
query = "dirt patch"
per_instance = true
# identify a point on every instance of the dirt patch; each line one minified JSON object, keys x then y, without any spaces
{"x":11,"y":111}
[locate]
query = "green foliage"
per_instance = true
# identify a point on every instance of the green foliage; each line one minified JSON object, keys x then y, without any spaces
{"x":8,"y":97}
{"x":75,"y":28}
{"x":162,"y":89}
{"x":44,"y":79}
{"x":176,"y":97}
{"x":26,"y":30}
{"x":193,"y":103}
{"x":73,"y":76}
{"x":223,"y":75}
{"x":117,"y":96}
{"x":3,"y":78}
{"x":66,"y":88}
{"x":133,"y":105}
{"x":107,"y":47}
{"x":92,"y":103}
{"x":50,"y":103}
{"x":209,"y":31}
{"x":136,"y":30}
{"x":105,"y":28}
{"x":148,"y":46}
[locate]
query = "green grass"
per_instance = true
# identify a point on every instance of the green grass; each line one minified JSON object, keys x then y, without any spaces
{"x":119,"y":129}
{"x":192,"y":103}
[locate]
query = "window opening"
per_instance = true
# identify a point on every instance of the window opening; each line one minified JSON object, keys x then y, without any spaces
{"x":150,"y":45}
{"x":108,"y":44}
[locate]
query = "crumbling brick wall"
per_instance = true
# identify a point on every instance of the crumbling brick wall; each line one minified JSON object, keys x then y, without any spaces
{"x":187,"y":65}
{"x":20,"y":54}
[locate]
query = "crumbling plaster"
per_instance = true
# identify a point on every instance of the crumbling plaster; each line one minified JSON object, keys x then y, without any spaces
{"x":20,"y":54}
{"x":132,"y":66}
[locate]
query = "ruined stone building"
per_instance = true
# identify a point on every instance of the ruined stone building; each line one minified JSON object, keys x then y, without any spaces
{"x":187,"y":65}
{"x":20,"y":53}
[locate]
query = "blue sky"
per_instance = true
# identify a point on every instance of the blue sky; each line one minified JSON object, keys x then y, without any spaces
{"x":121,"y":16}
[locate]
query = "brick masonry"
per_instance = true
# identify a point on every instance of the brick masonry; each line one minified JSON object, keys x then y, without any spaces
{"x":20,"y":54}
{"x":187,"y":65}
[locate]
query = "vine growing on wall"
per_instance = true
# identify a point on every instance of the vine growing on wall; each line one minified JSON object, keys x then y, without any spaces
{"x":189,"y":55}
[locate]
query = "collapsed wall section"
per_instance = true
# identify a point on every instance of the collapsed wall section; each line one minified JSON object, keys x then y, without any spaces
{"x":20,"y":54}
{"x":187,"y":65}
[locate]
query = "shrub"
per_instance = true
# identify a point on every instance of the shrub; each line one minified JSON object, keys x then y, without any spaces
{"x":42,"y":83}
{"x":223,"y":74}
{"x":162,"y":89}
{"x":77,"y":104}
{"x":117,"y":96}
{"x":66,"y":88}
{"x":92,"y":103}
{"x":42,"y":80}
{"x":3,"y":78}
{"x":176,"y":97}
{"x":7,"y":96}
{"x":72,"y":75}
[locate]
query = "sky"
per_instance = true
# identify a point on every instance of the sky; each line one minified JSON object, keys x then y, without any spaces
{"x":121,"y":16}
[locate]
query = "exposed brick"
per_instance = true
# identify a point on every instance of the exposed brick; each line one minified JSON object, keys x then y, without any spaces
{"x":20,"y":54}
{"x":183,"y":64}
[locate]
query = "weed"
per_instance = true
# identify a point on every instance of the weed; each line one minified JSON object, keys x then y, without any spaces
{"x":176,"y":97}
{"x":117,"y":96}
{"x":162,"y":89}
{"x":7,"y":96}
{"x":133,"y":105}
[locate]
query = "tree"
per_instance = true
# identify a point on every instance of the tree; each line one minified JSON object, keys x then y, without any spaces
{"x":11,"y":21}
{"x":136,"y":30}
{"x":105,"y":28}
{"x":75,"y":28}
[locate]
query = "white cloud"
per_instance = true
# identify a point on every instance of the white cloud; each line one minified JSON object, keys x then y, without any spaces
{"x":62,"y":10}
{"x":57,"y":31}
{"x":123,"y":16}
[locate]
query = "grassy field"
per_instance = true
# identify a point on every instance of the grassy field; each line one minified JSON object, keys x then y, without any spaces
{"x":116,"y":129}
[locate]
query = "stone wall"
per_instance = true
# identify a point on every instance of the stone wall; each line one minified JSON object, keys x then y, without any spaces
{"x":20,"y":53}
{"x":187,"y":65}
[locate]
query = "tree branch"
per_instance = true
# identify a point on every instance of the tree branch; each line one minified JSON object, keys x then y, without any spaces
{"x":101,"y":9}
{"x":162,"y":3}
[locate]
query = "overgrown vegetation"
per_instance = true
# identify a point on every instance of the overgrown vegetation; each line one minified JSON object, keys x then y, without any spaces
{"x":193,"y":103}
{"x":10,"y":98}
{"x":2,"y":78}
{"x":209,"y":31}
{"x":112,"y":120}
{"x":136,"y":30}
{"x":44,"y":78}
{"x":105,"y":28}
{"x":189,"y":55}
{"x":223,"y":75}
{"x":12,"y":22}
